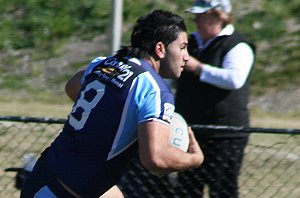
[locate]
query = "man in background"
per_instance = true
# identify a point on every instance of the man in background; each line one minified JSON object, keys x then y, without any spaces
{"x":214,"y":90}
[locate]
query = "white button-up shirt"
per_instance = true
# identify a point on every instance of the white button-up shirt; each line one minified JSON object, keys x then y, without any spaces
{"x":236,"y":64}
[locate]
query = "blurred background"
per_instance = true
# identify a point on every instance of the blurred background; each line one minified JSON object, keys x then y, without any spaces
{"x":43,"y":42}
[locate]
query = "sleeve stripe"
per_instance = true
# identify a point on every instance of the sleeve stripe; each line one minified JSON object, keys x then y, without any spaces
{"x":158,"y":97}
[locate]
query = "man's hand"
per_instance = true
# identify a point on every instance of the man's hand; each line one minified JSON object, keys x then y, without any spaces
{"x":195,"y":66}
{"x":194,"y":146}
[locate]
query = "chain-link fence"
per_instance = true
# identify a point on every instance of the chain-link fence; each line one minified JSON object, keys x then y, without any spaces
{"x":270,"y":168}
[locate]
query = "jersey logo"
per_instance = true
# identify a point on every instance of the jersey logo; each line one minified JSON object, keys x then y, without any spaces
{"x":113,"y":72}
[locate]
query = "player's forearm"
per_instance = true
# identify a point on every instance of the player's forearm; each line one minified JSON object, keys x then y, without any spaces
{"x":159,"y":156}
{"x":172,"y":159}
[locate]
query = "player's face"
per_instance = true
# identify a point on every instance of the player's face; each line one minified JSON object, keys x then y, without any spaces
{"x":175,"y":58}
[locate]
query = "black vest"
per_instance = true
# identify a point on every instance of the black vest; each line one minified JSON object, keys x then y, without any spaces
{"x":202,"y":103}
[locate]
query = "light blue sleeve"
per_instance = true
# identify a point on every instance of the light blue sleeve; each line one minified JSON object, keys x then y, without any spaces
{"x":153,"y":101}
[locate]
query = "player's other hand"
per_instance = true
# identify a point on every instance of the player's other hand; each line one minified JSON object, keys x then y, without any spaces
{"x":194,"y":147}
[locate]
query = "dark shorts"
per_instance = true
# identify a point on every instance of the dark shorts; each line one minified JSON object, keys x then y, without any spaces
{"x":42,"y":180}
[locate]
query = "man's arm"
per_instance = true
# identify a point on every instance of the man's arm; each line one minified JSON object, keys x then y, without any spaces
{"x":158,"y":156}
{"x":73,"y":85}
{"x":234,"y":72}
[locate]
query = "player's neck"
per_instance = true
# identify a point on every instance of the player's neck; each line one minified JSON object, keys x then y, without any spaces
{"x":155,"y":64}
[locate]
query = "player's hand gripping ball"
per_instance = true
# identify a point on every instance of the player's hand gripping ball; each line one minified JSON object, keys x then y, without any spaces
{"x":179,"y":136}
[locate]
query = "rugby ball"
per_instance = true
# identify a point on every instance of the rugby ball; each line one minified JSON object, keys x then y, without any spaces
{"x":179,"y":136}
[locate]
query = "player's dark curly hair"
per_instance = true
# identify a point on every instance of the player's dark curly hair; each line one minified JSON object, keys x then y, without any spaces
{"x":157,"y":26}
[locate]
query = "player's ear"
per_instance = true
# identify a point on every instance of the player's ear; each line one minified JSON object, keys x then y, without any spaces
{"x":160,"y":50}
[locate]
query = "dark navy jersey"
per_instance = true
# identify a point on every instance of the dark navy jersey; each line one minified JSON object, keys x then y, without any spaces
{"x":100,"y":135}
